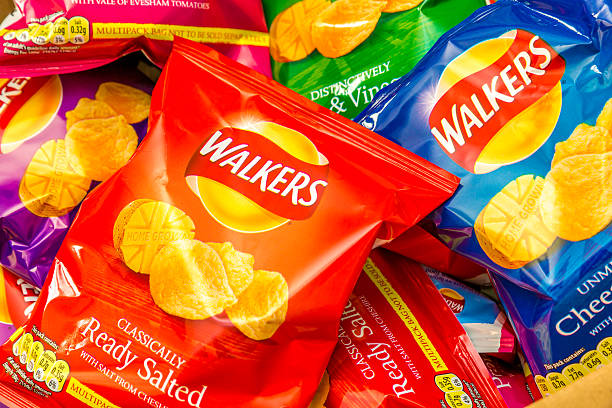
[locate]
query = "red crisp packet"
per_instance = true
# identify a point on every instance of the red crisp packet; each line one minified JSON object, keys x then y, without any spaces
{"x":400,"y":346}
{"x":212,"y":269}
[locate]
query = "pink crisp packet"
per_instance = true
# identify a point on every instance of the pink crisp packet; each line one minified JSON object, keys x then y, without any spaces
{"x":57,"y":36}
{"x":511,"y":382}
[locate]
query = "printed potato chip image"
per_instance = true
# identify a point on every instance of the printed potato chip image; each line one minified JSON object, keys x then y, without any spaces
{"x":89,"y":109}
{"x":238,"y":266}
{"x":35,"y":114}
{"x":576,"y":199}
{"x":126,"y":100}
{"x":50,"y":187}
{"x":290,"y":32}
{"x":400,"y":5}
{"x":262,"y":307}
{"x":123,"y":219}
{"x":605,"y":117}
{"x":344,"y":25}
{"x":97,"y":148}
{"x":143,"y":227}
{"x":584,"y":139}
{"x":188,"y":280}
{"x":511,"y":228}
{"x":489,"y":248}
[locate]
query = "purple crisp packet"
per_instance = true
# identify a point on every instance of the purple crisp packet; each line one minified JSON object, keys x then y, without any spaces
{"x":43,"y":176}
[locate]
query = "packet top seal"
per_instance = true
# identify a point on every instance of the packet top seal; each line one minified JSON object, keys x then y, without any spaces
{"x":53,"y":38}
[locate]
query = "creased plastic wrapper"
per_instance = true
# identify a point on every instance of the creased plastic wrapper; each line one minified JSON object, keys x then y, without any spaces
{"x":421,"y":244}
{"x":487,"y":326}
{"x":400,"y":346}
{"x":59,"y":137}
{"x":52,"y":37}
{"x":517,"y":101}
{"x":212,"y":270}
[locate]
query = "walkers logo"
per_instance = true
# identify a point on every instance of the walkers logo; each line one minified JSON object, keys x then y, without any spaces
{"x":27,"y":106}
{"x":453,"y":299}
{"x":498,"y":102}
{"x":258,"y":178}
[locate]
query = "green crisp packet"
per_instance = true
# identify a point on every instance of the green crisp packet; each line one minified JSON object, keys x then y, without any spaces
{"x":340,"y":53}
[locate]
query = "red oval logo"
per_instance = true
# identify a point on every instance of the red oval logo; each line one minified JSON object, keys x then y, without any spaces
{"x":262,"y":170}
{"x":498,"y":101}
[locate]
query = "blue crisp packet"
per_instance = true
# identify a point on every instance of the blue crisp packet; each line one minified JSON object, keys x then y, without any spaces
{"x":517,"y":101}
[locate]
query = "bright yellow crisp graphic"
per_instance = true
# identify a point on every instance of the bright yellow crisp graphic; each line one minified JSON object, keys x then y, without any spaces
{"x":290,"y":32}
{"x":238,"y":266}
{"x":35,"y":114}
{"x":605,"y":117}
{"x":126,"y":100}
{"x":584,"y":140}
{"x":188,"y":280}
{"x":577,"y":197}
{"x":89,"y":109}
{"x":510,"y":229}
{"x":244,"y":215}
{"x":50,"y":187}
{"x":521,"y":136}
{"x":262,"y":307}
{"x":196,"y":280}
{"x":143,"y":227}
